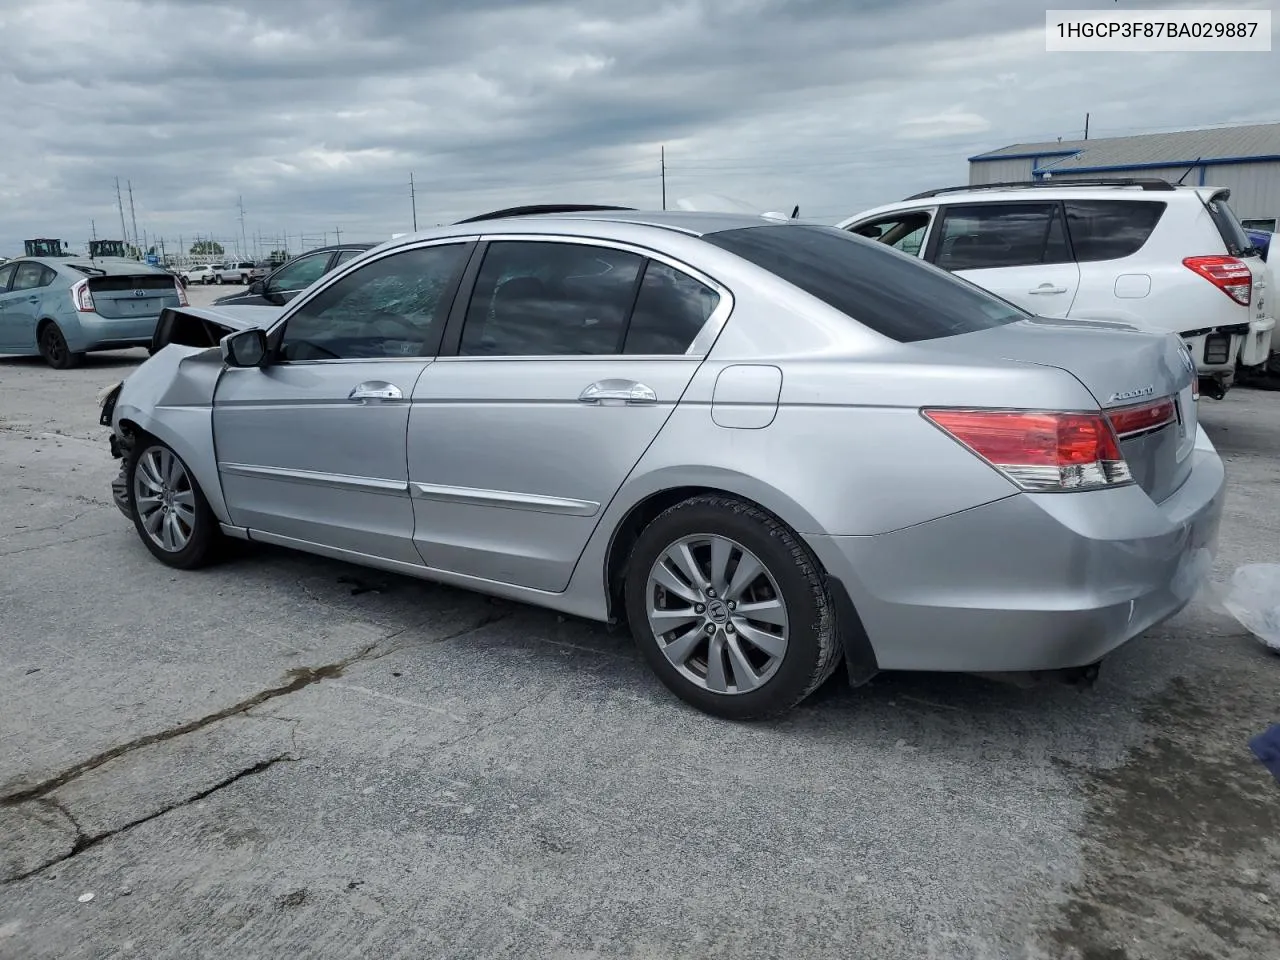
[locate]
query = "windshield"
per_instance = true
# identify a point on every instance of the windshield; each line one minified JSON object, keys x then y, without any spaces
{"x":892,"y":293}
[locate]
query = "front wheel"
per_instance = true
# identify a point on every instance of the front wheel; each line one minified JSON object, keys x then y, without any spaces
{"x":730,"y":608}
{"x":169,"y":511}
{"x":217,"y":278}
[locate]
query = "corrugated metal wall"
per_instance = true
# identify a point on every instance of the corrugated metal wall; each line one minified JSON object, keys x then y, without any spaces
{"x":999,"y":171}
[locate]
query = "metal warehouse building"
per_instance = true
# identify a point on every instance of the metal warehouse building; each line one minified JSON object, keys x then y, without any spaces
{"x":1245,"y":160}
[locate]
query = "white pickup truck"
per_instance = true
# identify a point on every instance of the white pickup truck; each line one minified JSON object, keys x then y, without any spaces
{"x":238,"y":271}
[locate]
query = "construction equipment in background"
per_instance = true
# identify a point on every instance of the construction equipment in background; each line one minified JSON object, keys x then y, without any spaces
{"x":108,"y":248}
{"x":44,"y":247}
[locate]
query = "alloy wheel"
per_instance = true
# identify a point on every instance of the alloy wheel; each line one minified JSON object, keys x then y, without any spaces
{"x":717,"y":614}
{"x":165,"y":499}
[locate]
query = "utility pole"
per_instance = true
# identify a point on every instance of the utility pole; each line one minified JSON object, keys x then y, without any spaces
{"x":124,"y":232}
{"x":1086,"y":126}
{"x":243,"y":240}
{"x":662,"y":156}
{"x":133,"y":216}
{"x":337,"y":231}
{"x":413,"y":199}
{"x":93,"y":228}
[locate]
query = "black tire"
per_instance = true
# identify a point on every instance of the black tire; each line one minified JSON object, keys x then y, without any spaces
{"x":53,"y":348}
{"x":813,"y":647}
{"x":201,"y":545}
{"x":217,"y":278}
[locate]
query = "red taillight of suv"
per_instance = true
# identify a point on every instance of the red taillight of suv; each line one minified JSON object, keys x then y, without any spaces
{"x":1231,"y":275}
{"x":1041,"y":452}
{"x":82,"y":296}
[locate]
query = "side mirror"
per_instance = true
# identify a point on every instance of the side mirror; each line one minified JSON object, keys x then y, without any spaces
{"x":244,"y":348}
{"x":255,"y":288}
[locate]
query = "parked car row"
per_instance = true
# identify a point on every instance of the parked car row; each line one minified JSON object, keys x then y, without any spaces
{"x":1143,"y":252}
{"x":236,"y":271}
{"x":769,"y":447}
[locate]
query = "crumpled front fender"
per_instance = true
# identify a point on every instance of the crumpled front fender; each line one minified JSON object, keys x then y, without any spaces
{"x":170,"y":396}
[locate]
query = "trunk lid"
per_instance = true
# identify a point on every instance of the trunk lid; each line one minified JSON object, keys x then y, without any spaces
{"x":1122,"y":367}
{"x":128,"y":296}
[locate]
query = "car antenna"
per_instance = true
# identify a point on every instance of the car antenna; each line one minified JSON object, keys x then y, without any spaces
{"x":795,"y":211}
{"x":1189,"y":169}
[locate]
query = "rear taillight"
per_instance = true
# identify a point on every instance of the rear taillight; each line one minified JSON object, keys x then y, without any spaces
{"x":1142,"y":417}
{"x":83,"y":298}
{"x":182,"y":294}
{"x":1041,"y":452}
{"x":1229,"y":274}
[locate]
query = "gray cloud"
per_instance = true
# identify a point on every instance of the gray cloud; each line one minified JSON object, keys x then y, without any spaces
{"x":315,"y":111}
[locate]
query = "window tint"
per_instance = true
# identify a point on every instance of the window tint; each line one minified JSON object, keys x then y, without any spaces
{"x":1110,"y":229}
{"x":48,"y":276}
{"x":345,"y":255}
{"x":6,"y":272}
{"x":892,"y":294}
{"x":393,"y":307}
{"x":903,"y":232}
{"x":1233,"y":235}
{"x":300,"y":274}
{"x":28,"y":276}
{"x":1001,"y":235}
{"x":670,"y":312}
{"x":538,"y":299}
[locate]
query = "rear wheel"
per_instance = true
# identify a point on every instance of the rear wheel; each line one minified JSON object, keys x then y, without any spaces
{"x":170,"y":512}
{"x":53,"y":348}
{"x":729,"y":607}
{"x":217,"y":278}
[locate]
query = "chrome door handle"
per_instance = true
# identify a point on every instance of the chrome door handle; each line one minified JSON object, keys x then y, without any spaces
{"x":1048,"y":288}
{"x":618,"y":391}
{"x":375,"y":390}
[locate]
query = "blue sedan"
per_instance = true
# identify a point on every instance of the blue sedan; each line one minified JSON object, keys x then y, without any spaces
{"x":63,"y":307}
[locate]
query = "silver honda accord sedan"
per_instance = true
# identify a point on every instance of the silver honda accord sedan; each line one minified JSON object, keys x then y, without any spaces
{"x":770,"y":447}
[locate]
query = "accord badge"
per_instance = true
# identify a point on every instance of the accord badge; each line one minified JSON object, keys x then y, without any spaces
{"x":1132,"y":394}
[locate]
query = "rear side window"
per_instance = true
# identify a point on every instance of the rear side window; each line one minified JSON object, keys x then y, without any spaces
{"x":542,"y":298}
{"x":6,"y":273}
{"x":671,"y":310}
{"x":984,"y":236}
{"x":887,"y":291}
{"x":1224,"y":218}
{"x":28,"y":276}
{"x":1111,"y":229}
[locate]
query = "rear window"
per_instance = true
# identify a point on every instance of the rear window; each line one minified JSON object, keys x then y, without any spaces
{"x":1224,"y":218}
{"x":146,"y":281}
{"x":892,"y":293}
{"x":1111,"y":229}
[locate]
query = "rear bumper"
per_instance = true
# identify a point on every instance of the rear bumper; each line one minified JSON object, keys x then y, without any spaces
{"x":1257,"y":345}
{"x":1216,"y":351}
{"x":101,"y":333}
{"x":1032,"y":582}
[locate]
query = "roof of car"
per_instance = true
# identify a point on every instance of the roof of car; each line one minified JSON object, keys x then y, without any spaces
{"x":688,"y":222}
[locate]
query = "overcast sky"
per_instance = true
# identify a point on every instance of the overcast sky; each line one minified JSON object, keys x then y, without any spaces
{"x":316,"y":111}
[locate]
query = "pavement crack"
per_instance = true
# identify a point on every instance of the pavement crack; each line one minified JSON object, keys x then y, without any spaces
{"x":58,"y":543}
{"x":84,"y":841}
{"x":299,"y":678}
{"x":22,"y":531}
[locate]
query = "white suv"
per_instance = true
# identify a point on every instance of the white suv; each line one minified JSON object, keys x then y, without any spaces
{"x":1144,"y":252}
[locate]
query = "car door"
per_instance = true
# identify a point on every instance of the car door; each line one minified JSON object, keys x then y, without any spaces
{"x":8,"y":334}
{"x":559,"y":369}
{"x":905,"y":230}
{"x":295,"y":276}
{"x":22,"y":308}
{"x":1017,"y":250}
{"x":311,"y":446}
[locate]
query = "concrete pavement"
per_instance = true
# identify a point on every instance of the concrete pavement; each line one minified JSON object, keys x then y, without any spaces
{"x":284,"y":756}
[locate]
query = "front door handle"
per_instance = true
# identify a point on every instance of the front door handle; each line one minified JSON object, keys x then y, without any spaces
{"x":375,"y":390}
{"x":618,"y":391}
{"x":33,"y":299}
{"x":1047,"y":288}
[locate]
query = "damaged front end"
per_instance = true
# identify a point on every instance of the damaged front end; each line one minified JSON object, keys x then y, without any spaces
{"x":121,"y":444}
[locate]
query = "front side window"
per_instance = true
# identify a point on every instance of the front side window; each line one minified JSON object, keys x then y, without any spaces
{"x":345,"y":255}
{"x":28,"y":276}
{"x":895,"y":295}
{"x":986,"y":236}
{"x":297,"y":276}
{"x":903,"y":231}
{"x":539,"y":299}
{"x":393,"y":307}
